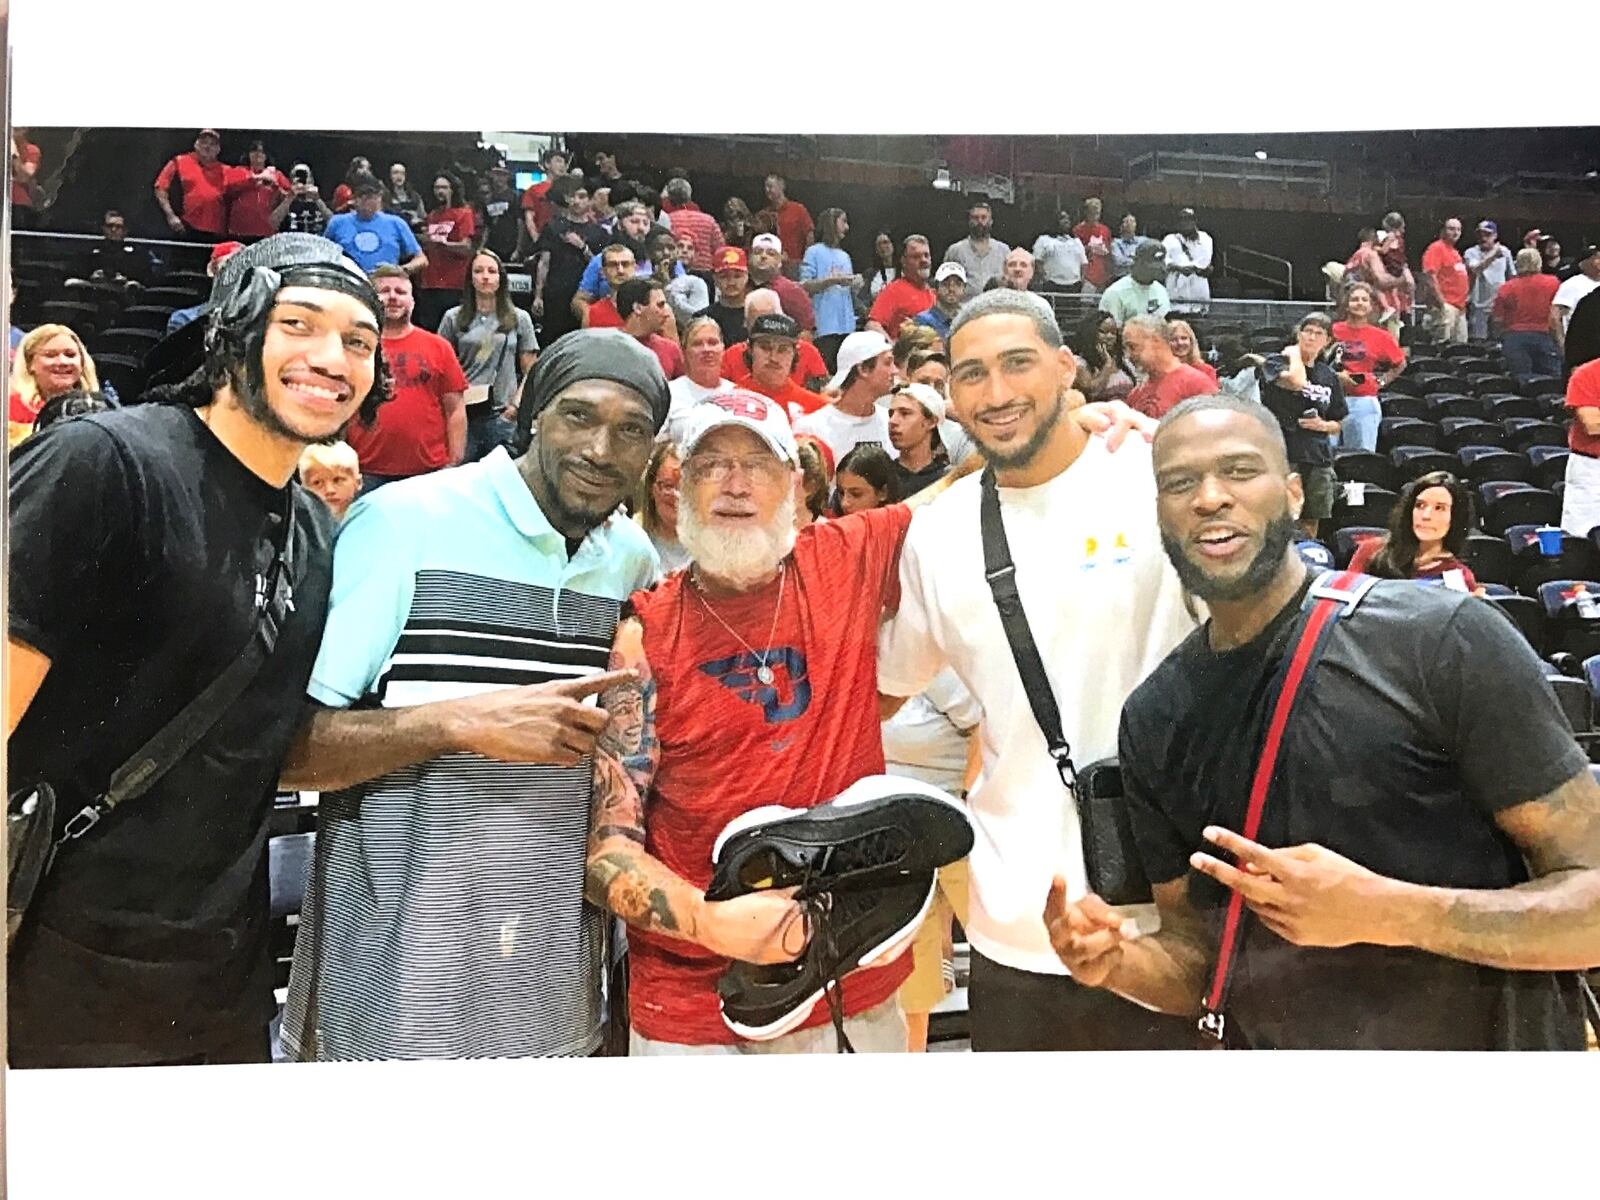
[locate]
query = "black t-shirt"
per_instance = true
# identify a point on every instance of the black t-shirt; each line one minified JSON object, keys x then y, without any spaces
{"x":136,"y":536}
{"x":1322,"y":392}
{"x":908,"y":483}
{"x":567,"y":262}
{"x":730,"y":321}
{"x":1427,"y":715}
{"x":117,"y":257}
{"x":502,"y":217}
{"x":1583,"y":332}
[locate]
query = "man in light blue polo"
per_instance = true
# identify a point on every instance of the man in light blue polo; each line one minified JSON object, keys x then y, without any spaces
{"x":373,"y":237}
{"x":471,"y":619}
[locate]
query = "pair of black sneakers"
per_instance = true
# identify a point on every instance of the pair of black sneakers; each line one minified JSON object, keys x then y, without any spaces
{"x":863,"y":868}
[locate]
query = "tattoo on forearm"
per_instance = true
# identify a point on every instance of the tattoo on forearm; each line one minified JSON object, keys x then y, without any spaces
{"x":617,"y":880}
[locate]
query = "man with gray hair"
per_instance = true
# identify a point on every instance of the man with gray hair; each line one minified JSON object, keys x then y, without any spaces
{"x":1104,"y":607}
{"x":688,"y":221}
{"x":1167,"y":380}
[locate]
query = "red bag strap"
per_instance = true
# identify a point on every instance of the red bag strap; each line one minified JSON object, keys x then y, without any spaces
{"x":1332,"y":596}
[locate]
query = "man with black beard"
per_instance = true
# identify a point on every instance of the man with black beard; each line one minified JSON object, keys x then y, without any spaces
{"x":141,"y":542}
{"x":1104,"y":607}
{"x":1433,"y":876}
{"x":447,"y":730}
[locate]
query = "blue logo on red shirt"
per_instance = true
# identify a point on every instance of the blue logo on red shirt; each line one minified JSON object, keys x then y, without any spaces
{"x":786,"y":698}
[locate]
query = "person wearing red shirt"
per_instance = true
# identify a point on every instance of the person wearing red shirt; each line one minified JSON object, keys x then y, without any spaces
{"x":447,"y":239}
{"x":1521,"y":312}
{"x":756,"y":682}
{"x":1369,"y":358}
{"x":687,"y":221}
{"x":1427,"y":535}
{"x":25,"y":192}
{"x":344,"y":197}
{"x":1443,"y":265}
{"x":792,"y":223}
{"x":642,"y":306}
{"x":203,"y":206}
{"x":1096,"y":239}
{"x":766,"y":271}
{"x":901,"y":299}
{"x":424,"y":425}
{"x":808,"y":363}
{"x":254,"y":190}
{"x":536,"y":207}
{"x":1580,"y":502}
{"x":768,"y":365}
{"x":1167,"y":381}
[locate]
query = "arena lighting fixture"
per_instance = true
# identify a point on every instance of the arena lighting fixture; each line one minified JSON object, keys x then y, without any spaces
{"x":1262,"y":155}
{"x":941,"y":179}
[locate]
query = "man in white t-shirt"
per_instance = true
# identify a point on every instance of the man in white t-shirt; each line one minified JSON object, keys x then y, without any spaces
{"x":1188,"y":265}
{"x":1104,"y":606}
{"x":1489,"y":264}
{"x":1573,"y":290}
{"x":866,"y":372}
{"x":702,"y":377}
{"x":1060,"y":257}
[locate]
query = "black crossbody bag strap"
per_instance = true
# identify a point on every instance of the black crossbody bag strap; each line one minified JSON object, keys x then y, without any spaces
{"x":1001,"y":574}
{"x":273,"y":603}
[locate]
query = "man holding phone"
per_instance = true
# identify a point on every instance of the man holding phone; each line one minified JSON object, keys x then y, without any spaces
{"x":303,"y":209}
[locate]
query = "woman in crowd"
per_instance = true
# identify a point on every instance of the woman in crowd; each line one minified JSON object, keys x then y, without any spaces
{"x":1368,"y":358}
{"x":254,"y":190}
{"x":1427,"y":534}
{"x":656,"y":506}
{"x":495,"y":344}
{"x":865,"y":479}
{"x":816,"y":480}
{"x":1103,"y":372}
{"x":343,"y":197}
{"x":403,"y":200}
{"x":1180,"y":336}
{"x":884,"y":268}
{"x":829,"y":278}
{"x":738,"y":224}
{"x":52,"y":361}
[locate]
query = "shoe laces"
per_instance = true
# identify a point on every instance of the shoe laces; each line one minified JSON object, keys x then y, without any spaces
{"x":823,"y":949}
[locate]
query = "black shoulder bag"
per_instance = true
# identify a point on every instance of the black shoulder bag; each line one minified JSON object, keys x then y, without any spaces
{"x":32,"y":842}
{"x":1110,"y":855}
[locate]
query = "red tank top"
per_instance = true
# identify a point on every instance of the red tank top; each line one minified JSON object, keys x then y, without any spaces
{"x":730,"y":743}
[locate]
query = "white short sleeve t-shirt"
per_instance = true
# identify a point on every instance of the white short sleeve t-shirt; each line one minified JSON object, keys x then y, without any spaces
{"x":685,"y":393}
{"x":1105,"y":607}
{"x":1570,"y":292}
{"x":842,"y":433}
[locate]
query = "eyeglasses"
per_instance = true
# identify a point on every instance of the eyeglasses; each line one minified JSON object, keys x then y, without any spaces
{"x":718,"y":468}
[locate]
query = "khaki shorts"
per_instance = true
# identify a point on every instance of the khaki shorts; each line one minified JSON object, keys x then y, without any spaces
{"x":924,"y":988}
{"x":1321,"y":485}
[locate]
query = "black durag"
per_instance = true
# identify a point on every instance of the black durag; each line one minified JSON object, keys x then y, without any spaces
{"x":585,"y":354}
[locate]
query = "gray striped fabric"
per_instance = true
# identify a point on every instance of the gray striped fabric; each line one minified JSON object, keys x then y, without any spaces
{"x":452,"y":922}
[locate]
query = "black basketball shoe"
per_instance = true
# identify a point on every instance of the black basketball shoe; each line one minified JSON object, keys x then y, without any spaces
{"x":880,"y":830}
{"x":847,"y":929}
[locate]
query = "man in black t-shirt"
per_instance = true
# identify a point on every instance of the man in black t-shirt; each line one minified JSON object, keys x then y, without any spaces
{"x":1433,"y":880}
{"x":563,"y":249}
{"x":1307,"y":398}
{"x":140,"y":539}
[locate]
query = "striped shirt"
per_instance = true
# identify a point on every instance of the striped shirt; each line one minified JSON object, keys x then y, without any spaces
{"x":444,"y":916}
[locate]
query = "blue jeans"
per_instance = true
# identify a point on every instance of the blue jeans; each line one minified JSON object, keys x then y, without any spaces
{"x":485,"y":433}
{"x":1359,"y":430}
{"x":1529,"y":354}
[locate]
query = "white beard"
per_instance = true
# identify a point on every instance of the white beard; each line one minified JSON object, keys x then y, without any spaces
{"x":740,"y":557}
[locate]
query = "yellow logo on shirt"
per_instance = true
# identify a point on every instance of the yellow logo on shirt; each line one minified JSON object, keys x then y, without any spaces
{"x":1120,"y":551}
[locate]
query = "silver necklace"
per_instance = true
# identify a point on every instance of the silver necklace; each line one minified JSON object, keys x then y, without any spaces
{"x":763,"y":672}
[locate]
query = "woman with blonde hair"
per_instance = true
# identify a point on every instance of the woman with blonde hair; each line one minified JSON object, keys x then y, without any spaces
{"x":50,"y":361}
{"x":1180,"y":336}
{"x":656,"y":505}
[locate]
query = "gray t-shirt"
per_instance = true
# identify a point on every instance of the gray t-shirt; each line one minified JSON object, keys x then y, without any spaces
{"x":982,"y":267}
{"x":487,"y":355}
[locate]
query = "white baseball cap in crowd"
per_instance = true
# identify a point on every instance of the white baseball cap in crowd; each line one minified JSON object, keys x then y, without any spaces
{"x":857,"y":349}
{"x":766,"y":241}
{"x":948,"y":269}
{"x":748,"y":410}
{"x":926,"y":396}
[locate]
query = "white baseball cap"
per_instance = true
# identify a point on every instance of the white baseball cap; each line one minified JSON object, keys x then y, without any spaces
{"x":857,"y":349}
{"x":746,"y":409}
{"x":948,"y":269}
{"x":766,"y":241}
{"x":926,"y":396}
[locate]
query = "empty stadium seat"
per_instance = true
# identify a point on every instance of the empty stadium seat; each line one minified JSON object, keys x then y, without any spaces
{"x":1506,"y":503}
{"x":172,"y":297}
{"x":1411,"y":462}
{"x":80,"y":316}
{"x":123,"y":372}
{"x":1459,"y":350}
{"x":1363,"y":466}
{"x":145,"y":316}
{"x":1436,"y":386}
{"x":1549,"y":464}
{"x":1402,"y":404}
{"x":1498,"y":405}
{"x":135,"y":343}
{"x":1569,"y":628}
{"x":1491,"y":384}
{"x":1397,"y":430}
{"x":1484,"y":464}
{"x":1577,"y":705}
{"x":1443,"y":405}
{"x":1346,"y":541}
{"x":1456,"y":432}
{"x":1490,"y":558}
{"x":1403,"y":386}
{"x":1524,"y":433}
{"x":1423,"y":365}
{"x":1578,"y":559}
{"x":1542,"y":385}
{"x":1526,"y":614}
{"x":1372,"y":510}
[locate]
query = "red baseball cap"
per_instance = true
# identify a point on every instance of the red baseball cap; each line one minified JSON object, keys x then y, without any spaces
{"x":225,"y":250}
{"x":730,"y":258}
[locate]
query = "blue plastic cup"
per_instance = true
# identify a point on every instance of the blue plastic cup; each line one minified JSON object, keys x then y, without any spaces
{"x":1549,"y":541}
